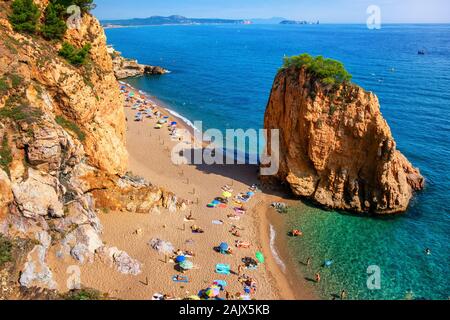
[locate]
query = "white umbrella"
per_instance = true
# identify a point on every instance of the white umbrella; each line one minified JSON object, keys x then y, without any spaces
{"x":161,"y":246}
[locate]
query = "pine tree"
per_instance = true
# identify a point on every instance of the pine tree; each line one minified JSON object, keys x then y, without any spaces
{"x":54,"y":25}
{"x":25,"y":15}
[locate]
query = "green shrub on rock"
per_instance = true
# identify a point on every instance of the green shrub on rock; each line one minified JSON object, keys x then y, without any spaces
{"x":54,"y":23}
{"x":329,"y":71}
{"x":74,"y":55}
{"x":25,"y":16}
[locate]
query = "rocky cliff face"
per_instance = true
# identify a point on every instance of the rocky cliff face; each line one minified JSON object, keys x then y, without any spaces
{"x":62,"y":149}
{"x":336,"y":148}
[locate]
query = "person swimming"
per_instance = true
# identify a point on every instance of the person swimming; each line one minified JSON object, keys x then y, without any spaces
{"x":428,"y":251}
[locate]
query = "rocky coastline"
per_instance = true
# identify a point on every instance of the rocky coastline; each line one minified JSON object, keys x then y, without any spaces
{"x":127,"y":68}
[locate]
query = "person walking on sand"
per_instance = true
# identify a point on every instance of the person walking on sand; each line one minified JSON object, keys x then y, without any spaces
{"x":318,"y":277}
{"x":240,"y":269}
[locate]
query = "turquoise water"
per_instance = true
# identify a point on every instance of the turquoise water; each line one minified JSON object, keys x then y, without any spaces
{"x":223,"y":76}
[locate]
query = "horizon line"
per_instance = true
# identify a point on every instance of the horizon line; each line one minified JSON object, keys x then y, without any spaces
{"x":249,"y":19}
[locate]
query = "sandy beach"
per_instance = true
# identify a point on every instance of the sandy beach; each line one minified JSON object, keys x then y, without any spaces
{"x":150,"y":157}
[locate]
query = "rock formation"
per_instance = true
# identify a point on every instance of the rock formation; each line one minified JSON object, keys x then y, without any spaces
{"x":126,"y":68}
{"x":335,"y":146}
{"x":62,"y":149}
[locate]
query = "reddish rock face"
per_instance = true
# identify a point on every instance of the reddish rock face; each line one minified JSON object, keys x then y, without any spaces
{"x":336,"y":148}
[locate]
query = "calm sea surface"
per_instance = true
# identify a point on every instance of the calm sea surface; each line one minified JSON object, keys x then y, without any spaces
{"x":222,"y":75}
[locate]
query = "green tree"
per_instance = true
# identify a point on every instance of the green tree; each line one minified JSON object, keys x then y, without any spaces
{"x":85,"y":5}
{"x":54,"y":25}
{"x":329,"y":71}
{"x":25,"y":15}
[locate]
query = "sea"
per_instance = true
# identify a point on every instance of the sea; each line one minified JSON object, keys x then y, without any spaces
{"x":222,"y":75}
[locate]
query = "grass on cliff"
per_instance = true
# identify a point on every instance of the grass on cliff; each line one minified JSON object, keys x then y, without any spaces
{"x":4,"y":87}
{"x":5,"y":250}
{"x":5,"y":155}
{"x":69,"y":125}
{"x":328,"y":71}
{"x":19,"y":112}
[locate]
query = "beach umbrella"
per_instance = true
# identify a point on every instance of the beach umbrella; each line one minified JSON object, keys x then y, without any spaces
{"x":212,"y":292}
{"x":222,"y":284}
{"x":161,"y":246}
{"x":173,"y":123}
{"x":180,"y":259}
{"x":227,"y":194}
{"x":224,"y":246}
{"x":328,"y":263}
{"x":186,"y":265}
{"x":260,"y":257}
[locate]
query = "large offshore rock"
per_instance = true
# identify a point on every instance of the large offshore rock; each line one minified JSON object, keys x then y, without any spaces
{"x":336,"y":148}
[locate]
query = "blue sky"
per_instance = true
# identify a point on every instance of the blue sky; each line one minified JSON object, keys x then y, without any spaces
{"x":328,"y":11}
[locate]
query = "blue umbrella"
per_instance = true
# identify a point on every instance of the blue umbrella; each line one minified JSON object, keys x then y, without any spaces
{"x":180,"y":259}
{"x":223,"y":246}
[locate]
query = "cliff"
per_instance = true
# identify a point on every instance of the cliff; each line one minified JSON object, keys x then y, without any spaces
{"x":126,"y":68}
{"x":335,"y":147}
{"x":62,"y":151}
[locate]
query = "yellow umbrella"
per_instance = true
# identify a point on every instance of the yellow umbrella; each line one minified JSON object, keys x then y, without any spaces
{"x":227,"y":194}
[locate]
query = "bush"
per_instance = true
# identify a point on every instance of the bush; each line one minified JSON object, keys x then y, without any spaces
{"x":85,"y":5}
{"x":69,"y":125}
{"x":4,"y":87}
{"x":329,"y":71}
{"x":83,"y":294}
{"x":54,"y":24}
{"x":25,"y":16}
{"x":75,"y":56}
{"x":5,"y":158}
{"x":16,"y":80}
{"x":5,"y":250}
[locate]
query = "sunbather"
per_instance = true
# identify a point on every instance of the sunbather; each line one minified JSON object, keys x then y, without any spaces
{"x":196,"y":229}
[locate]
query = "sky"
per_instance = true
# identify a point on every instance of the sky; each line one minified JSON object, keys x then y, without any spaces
{"x":327,"y":11}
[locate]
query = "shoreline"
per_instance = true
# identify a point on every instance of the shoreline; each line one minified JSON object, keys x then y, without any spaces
{"x":285,"y":286}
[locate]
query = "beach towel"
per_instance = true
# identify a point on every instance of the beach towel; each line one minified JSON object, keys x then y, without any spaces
{"x":217,"y":222}
{"x":223,"y":269}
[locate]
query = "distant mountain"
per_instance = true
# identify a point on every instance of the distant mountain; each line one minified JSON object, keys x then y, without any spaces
{"x":298,"y":22}
{"x":175,"y":19}
{"x":274,"y":20}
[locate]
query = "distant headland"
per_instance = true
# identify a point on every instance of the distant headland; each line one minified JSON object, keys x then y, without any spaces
{"x":298,"y":22}
{"x":171,"y":20}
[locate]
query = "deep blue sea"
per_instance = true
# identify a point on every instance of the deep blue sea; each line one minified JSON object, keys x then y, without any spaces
{"x":222,"y":75}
